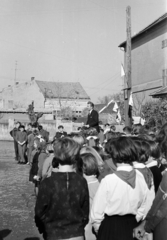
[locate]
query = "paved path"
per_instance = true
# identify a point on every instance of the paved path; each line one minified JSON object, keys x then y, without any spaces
{"x":16,"y":200}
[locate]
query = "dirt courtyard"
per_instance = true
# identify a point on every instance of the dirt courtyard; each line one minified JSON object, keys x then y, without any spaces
{"x":16,"y":198}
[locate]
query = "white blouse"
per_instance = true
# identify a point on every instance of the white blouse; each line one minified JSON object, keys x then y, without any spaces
{"x":116,"y":197}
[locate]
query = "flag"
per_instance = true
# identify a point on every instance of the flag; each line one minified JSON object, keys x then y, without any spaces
{"x":115,"y":108}
{"x":131,"y":100}
{"x":106,"y":106}
{"x":118,"y":117}
{"x":122,"y":71}
{"x":130,"y":106}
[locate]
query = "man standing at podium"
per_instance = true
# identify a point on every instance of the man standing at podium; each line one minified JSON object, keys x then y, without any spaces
{"x":93,"y":117}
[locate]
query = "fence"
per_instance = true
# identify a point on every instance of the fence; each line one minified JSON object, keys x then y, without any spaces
{"x":50,"y":126}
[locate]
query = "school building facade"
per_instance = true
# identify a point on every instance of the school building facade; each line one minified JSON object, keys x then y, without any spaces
{"x":148,"y":61}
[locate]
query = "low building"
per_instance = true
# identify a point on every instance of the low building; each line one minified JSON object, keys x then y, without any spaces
{"x":106,"y":114}
{"x":149,"y":61}
{"x":47,"y":96}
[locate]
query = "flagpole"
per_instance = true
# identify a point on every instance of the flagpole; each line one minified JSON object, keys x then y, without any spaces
{"x":128,"y":120}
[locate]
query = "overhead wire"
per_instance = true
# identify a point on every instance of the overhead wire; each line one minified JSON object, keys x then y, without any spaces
{"x":108,"y":84}
{"x":109,"y":79}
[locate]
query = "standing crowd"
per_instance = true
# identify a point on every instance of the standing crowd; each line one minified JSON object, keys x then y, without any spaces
{"x":103,"y":185}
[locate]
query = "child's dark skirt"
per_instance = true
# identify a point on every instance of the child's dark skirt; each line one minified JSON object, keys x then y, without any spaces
{"x":117,"y":227}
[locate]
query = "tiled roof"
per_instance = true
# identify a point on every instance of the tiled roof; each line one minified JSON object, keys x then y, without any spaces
{"x":159,"y":92}
{"x":160,"y":19}
{"x":108,"y":109}
{"x":70,"y":90}
{"x":99,"y":106}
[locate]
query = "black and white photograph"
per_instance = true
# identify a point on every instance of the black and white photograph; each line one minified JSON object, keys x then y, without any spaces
{"x":83,"y":120}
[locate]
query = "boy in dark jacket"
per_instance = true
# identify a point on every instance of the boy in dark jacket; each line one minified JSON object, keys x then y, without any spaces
{"x":21,"y":138}
{"x":13,"y":134}
{"x":60,"y":133}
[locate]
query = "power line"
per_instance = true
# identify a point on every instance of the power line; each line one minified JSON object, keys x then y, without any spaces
{"x":110,"y":82}
{"x":110,"y":79}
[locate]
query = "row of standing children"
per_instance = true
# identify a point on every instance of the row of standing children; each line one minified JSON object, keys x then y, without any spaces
{"x":24,"y":140}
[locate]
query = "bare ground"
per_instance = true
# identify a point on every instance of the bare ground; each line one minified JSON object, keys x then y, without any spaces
{"x":16,"y":198}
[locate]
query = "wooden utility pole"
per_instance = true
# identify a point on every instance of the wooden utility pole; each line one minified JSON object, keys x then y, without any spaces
{"x":128,"y":81}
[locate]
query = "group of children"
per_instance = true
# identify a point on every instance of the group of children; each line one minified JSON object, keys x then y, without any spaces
{"x":115,"y":189}
{"x":24,"y":140}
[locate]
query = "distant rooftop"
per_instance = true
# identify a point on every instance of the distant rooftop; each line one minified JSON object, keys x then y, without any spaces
{"x":157,"y":21}
{"x":159,"y":93}
{"x":71,"y":90}
{"x":108,"y":109}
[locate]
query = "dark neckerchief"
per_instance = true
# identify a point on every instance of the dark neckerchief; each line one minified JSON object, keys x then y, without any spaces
{"x":128,"y":177}
{"x":147,"y":174}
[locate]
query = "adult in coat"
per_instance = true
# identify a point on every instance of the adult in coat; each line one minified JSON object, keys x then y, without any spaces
{"x":93,"y":117}
{"x":13,"y":134}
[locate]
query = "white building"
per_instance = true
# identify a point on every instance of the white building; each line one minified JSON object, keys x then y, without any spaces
{"x":47,"y":96}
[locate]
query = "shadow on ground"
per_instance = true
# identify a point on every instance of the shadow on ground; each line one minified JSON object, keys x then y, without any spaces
{"x":4,"y":233}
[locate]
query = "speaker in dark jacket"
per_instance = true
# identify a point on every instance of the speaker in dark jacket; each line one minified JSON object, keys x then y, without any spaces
{"x":93,"y":120}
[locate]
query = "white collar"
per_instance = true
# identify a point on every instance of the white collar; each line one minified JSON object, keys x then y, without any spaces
{"x":90,"y":178}
{"x":66,"y":168}
{"x":138,"y":165}
{"x":94,"y":137}
{"x":106,"y":130}
{"x":127,"y":168}
{"x":152,"y":164}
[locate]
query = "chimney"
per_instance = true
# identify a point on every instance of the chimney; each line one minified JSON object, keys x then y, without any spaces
{"x":32,"y":78}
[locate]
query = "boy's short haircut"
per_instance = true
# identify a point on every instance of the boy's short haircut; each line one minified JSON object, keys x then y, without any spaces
{"x":40,"y":127}
{"x":113,"y":127}
{"x":91,"y":104}
{"x":60,"y":126}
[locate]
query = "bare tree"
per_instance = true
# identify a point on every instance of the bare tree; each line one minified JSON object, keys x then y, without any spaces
{"x":32,"y":115}
{"x":138,"y":101}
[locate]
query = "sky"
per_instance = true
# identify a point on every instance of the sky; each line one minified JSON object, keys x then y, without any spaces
{"x":69,"y":40}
